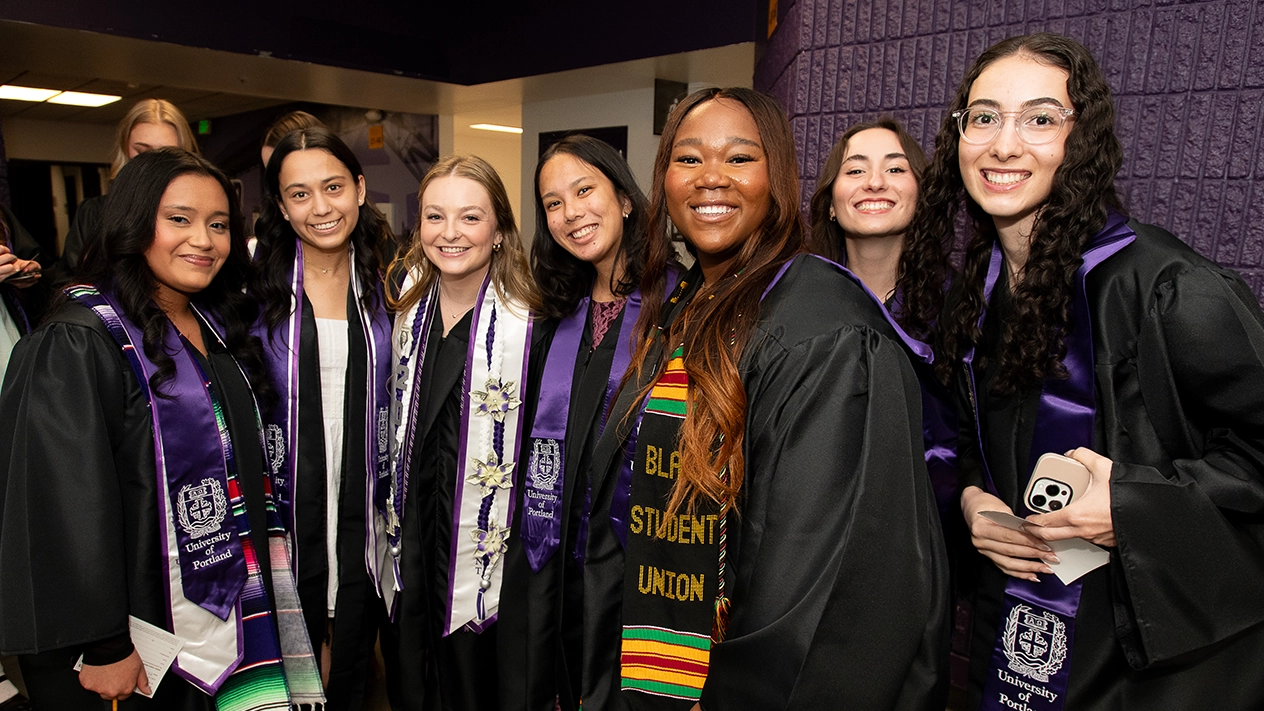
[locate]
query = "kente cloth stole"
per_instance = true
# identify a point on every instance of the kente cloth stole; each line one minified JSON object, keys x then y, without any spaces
{"x":670,"y":580}
{"x":281,"y":349}
{"x":490,"y":438}
{"x":1031,"y":659}
{"x":216,"y":600}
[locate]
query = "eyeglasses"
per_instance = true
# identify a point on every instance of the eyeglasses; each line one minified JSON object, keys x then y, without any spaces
{"x":1036,"y":126}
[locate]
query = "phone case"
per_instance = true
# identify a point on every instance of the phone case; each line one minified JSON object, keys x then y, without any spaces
{"x":1056,"y":482}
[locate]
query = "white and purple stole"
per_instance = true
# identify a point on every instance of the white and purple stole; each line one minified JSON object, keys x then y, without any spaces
{"x":490,"y":438}
{"x":541,"y":529}
{"x":281,"y":348}
{"x":1031,"y":659}
{"x":216,"y":599}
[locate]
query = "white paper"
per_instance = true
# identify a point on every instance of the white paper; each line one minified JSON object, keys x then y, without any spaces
{"x":1076,"y":556}
{"x":157,"y":649}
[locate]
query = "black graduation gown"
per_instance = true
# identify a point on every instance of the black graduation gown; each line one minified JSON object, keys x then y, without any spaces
{"x":358,"y":612}
{"x":79,"y":543}
{"x":837,"y":571}
{"x":464,"y":671}
{"x":547,"y":621}
{"x":1176,"y":620}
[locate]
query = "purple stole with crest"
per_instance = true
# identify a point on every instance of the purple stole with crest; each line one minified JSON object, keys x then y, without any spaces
{"x":1031,"y":657}
{"x":281,"y":349}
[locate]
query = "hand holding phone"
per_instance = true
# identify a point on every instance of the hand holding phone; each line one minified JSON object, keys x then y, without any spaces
{"x":1056,"y":482}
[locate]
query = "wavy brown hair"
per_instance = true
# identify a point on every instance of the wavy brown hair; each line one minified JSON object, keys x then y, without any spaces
{"x":716,"y":328}
{"x":923,"y":264}
{"x":510,"y":274}
{"x":1083,"y":189}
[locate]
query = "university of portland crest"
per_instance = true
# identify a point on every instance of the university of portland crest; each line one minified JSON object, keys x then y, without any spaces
{"x":274,"y":441}
{"x":201,"y":508}
{"x":546,"y":464}
{"x":1035,"y":644}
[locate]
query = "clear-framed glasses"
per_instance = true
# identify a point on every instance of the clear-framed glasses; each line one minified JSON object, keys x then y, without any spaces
{"x":1037,"y":125}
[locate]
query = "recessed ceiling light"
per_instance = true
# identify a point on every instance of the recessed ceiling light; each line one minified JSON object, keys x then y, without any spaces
{"x":80,"y":98}
{"x":496,"y":127}
{"x":26,"y":93}
{"x":55,"y":96}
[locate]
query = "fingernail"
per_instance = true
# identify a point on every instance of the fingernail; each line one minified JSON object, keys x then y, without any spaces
{"x":1048,"y":570}
{"x":1052,"y":558}
{"x":1045,"y":548}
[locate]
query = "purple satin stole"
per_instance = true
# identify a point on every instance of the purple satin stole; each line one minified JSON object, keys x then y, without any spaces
{"x":281,"y":350}
{"x":196,"y":458}
{"x":1031,"y":659}
{"x":542,"y":496}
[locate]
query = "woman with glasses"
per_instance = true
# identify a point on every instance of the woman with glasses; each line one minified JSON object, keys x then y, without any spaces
{"x":1076,"y":330}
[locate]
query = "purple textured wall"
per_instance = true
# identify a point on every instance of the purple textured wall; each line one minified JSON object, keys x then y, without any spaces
{"x":1188,"y":80}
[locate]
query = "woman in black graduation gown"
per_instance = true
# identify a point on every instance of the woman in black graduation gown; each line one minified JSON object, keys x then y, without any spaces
{"x":326,"y":330}
{"x":1082,"y":330}
{"x":763,"y":532}
{"x":131,"y":447}
{"x":860,"y":213}
{"x":464,"y":338}
{"x":587,"y":258}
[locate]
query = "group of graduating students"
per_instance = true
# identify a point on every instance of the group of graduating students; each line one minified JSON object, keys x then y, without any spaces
{"x":595,"y":477}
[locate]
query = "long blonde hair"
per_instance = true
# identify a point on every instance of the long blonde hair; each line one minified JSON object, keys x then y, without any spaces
{"x":156,"y":111}
{"x":510,"y":273}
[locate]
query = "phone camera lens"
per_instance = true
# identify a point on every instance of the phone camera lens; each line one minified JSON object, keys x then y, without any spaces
{"x":1052,"y":490}
{"x":1038,"y":500}
{"x":1055,"y":505}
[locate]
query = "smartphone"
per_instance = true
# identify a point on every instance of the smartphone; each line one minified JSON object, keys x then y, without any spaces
{"x":1056,"y":482}
{"x":22,"y":277}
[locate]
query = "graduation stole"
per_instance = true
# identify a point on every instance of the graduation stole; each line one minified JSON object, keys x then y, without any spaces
{"x":281,"y":349}
{"x":542,"y":496}
{"x":217,"y":602}
{"x":490,"y":436}
{"x":670,"y":584}
{"x":1031,"y":659}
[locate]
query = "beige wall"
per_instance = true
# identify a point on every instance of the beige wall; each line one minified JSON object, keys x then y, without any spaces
{"x":58,"y":141}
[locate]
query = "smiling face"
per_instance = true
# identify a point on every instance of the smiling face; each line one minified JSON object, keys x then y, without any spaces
{"x":875,"y":191}
{"x":458,"y":228}
{"x":149,"y":136}
{"x":585,"y":214}
{"x":716,"y":183}
{"x":1008,"y":178}
{"x":191,"y":237}
{"x":320,"y":199}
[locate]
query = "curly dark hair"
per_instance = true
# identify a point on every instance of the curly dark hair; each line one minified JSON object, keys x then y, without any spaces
{"x":715,"y":331}
{"x":128,"y":231}
{"x":562,"y":278}
{"x":1083,"y":190}
{"x":274,"y":255}
{"x":923,"y":264}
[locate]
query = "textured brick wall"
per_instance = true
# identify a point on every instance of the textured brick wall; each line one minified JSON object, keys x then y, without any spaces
{"x":1188,"y":80}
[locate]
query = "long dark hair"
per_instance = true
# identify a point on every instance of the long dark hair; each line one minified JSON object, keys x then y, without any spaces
{"x":564,"y":279}
{"x":715,"y":331}
{"x":1083,"y":190}
{"x":128,"y":231}
{"x":274,"y":255}
{"x":923,"y":264}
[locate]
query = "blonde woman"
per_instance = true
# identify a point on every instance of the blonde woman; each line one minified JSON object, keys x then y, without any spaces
{"x":463,"y":338}
{"x":150,"y":124}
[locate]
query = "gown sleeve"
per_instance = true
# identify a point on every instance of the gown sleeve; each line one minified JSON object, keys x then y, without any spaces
{"x":1189,"y":534}
{"x":68,"y":429}
{"x":840,"y":598}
